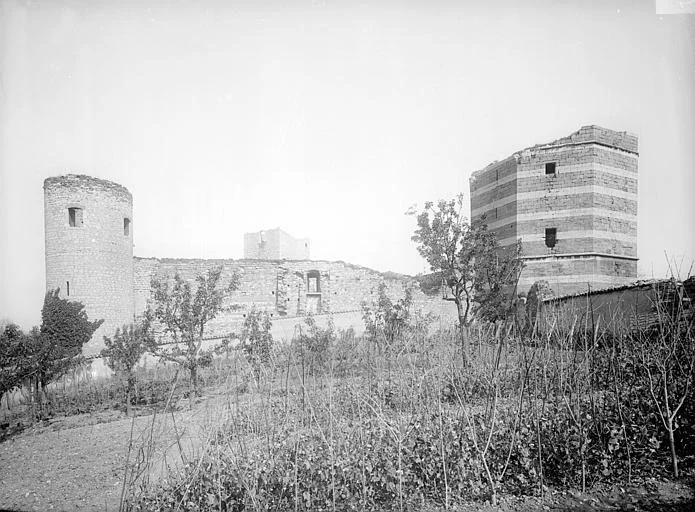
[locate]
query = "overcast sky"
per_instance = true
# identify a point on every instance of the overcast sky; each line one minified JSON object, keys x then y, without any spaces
{"x":328,"y":119}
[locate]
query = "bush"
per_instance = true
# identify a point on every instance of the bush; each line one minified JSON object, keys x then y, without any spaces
{"x":386,"y":321}
{"x":124,"y":351}
{"x":256,"y":339}
{"x":314,"y":342}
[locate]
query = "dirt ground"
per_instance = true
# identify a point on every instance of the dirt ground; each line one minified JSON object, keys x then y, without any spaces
{"x":78,"y":463}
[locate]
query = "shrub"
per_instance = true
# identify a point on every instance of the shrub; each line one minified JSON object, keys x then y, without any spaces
{"x":256,"y":339}
{"x":314,"y":342}
{"x":125,"y":350}
{"x":386,"y":321}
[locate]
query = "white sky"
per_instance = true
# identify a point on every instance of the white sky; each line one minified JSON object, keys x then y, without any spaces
{"x":328,"y":119}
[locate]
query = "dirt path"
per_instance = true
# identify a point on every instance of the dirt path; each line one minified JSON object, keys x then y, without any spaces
{"x":78,"y":463}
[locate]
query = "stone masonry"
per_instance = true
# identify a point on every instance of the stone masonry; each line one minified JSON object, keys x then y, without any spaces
{"x":89,"y":256}
{"x":287,"y":288}
{"x":89,"y":248}
{"x":573,"y":204}
{"x":275,"y":244}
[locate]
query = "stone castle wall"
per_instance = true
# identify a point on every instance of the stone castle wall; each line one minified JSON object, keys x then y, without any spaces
{"x":585,"y":187}
{"x":283,"y":288}
{"x":91,"y":261}
{"x":89,"y":256}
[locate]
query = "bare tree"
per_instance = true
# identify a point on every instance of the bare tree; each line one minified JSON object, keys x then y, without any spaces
{"x":668,"y":358}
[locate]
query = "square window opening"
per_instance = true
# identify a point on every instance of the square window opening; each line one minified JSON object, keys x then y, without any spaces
{"x":75,"y":217}
{"x":550,"y":168}
{"x":550,"y":237}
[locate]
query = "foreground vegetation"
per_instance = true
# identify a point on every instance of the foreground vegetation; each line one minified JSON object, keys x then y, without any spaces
{"x":397,"y":420}
{"x":359,"y":425}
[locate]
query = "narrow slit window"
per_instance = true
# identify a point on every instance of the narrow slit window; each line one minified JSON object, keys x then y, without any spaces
{"x":75,"y":217}
{"x":126,"y":226}
{"x":550,"y":168}
{"x":550,"y":237}
{"x":68,"y":287}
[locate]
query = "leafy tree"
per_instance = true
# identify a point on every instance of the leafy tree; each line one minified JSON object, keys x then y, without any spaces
{"x":13,"y":358}
{"x":497,"y":275}
{"x":468,"y":261}
{"x":57,"y":347}
{"x":46,"y":353}
{"x":256,"y":339}
{"x":184,"y":313}
{"x":125,"y":349}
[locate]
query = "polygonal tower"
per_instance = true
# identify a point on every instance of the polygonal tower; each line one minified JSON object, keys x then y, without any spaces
{"x":89,"y":248}
{"x":573,"y":204}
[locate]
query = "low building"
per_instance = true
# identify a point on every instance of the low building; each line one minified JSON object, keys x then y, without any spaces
{"x":622,"y":309}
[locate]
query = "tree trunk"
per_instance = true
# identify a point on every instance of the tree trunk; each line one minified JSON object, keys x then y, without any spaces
{"x":129,"y":393}
{"x":462,"y":333}
{"x":194,"y":380}
{"x":672,"y":445}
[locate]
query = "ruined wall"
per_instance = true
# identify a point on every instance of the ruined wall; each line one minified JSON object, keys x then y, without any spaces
{"x":275,"y":244}
{"x":286,"y":289}
{"x":91,"y":261}
{"x":584,"y":187}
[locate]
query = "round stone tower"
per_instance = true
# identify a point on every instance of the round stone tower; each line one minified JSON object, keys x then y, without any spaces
{"x":89,"y":249}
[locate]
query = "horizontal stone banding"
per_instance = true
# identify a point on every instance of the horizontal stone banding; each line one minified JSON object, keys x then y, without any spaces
{"x":576,"y":255}
{"x":570,"y":235}
{"x":539,"y":172}
{"x":556,"y":193}
{"x":561,"y":214}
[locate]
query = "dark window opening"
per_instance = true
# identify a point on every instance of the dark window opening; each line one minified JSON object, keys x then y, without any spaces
{"x":68,"y":287}
{"x":75,"y":217}
{"x":550,"y":237}
{"x":550,"y":168}
{"x":313,"y":281}
{"x":126,"y":226}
